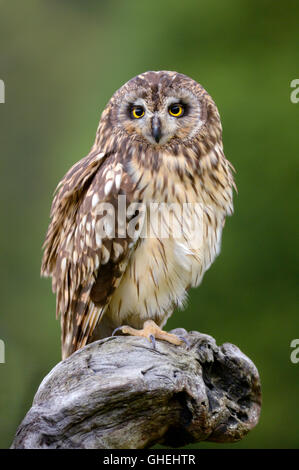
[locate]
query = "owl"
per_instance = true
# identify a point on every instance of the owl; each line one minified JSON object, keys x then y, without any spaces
{"x":138,"y":221}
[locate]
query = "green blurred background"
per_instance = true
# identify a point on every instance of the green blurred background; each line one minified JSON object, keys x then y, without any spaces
{"x":61,"y":61}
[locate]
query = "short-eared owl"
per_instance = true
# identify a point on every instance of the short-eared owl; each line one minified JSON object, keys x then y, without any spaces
{"x":158,"y":149}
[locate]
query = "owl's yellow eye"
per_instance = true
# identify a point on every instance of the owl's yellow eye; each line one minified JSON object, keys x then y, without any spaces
{"x":137,"y":112}
{"x":176,"y":110}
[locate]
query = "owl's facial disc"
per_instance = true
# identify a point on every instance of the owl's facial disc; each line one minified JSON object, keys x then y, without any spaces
{"x":159,"y":113}
{"x":174,"y":116}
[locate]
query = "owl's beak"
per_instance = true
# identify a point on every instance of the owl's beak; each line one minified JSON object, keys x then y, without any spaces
{"x":156,"y":129}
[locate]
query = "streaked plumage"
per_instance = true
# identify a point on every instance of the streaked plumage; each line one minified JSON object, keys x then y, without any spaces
{"x":104,"y":282}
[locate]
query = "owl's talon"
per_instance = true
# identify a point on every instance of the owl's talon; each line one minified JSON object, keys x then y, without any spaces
{"x":116,"y":329}
{"x":152,"y":332}
{"x":186,"y":341}
{"x":153,"y":340}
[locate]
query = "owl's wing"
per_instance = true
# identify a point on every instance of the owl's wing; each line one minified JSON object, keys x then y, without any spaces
{"x":82,"y":253}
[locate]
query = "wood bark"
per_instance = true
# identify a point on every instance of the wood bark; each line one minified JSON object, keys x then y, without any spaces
{"x":120,"y":393}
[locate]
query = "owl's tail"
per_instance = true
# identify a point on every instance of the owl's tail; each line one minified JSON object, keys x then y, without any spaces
{"x":79,"y":322}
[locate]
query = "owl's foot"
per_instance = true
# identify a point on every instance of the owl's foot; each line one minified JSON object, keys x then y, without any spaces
{"x":151,"y":331}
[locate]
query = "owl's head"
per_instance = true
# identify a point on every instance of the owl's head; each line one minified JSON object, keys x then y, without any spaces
{"x":160,"y":108}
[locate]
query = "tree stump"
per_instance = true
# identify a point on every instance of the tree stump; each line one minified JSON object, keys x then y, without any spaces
{"x":120,"y":393}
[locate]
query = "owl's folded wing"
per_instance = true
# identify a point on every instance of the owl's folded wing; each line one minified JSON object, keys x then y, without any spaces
{"x":87,"y":248}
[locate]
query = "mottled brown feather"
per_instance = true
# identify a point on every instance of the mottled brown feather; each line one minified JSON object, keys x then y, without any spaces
{"x":84,"y":274}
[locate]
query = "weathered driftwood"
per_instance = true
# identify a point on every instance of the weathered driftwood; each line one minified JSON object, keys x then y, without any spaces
{"x":120,"y":393}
